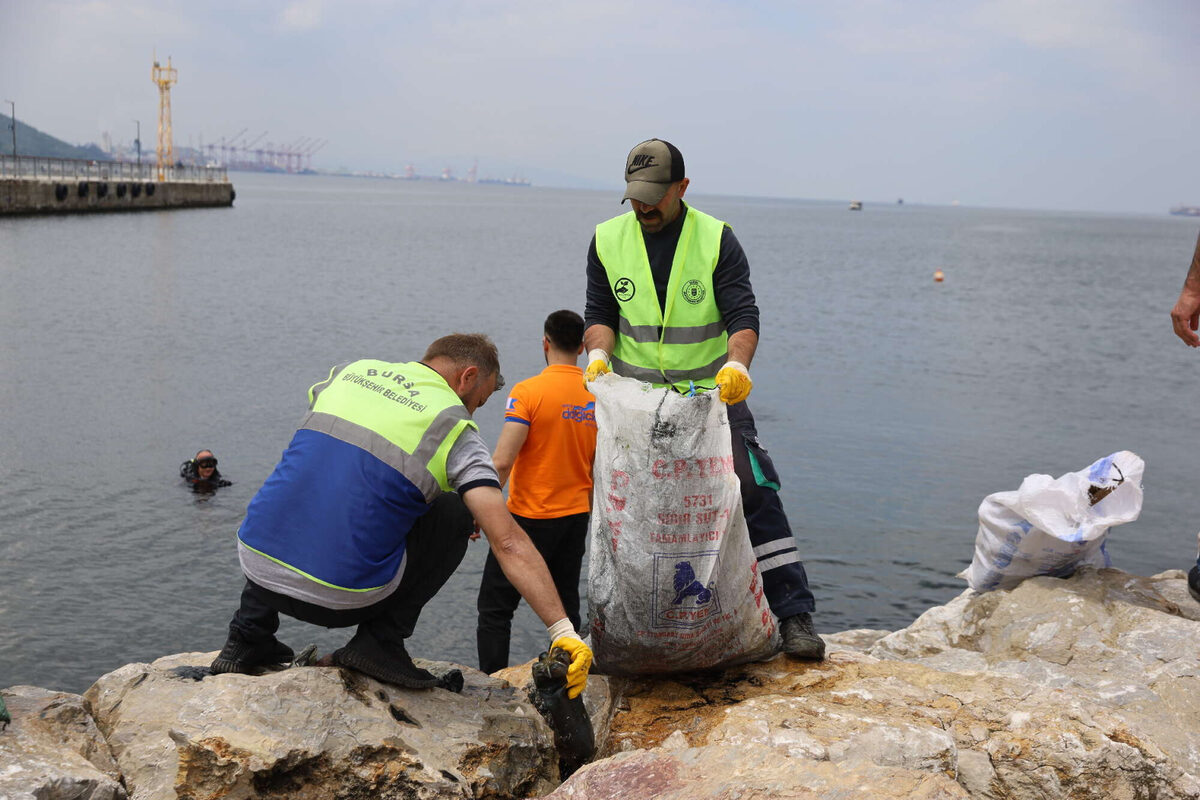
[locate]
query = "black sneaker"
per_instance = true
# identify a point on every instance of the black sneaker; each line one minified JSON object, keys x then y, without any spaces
{"x":1194,"y":582}
{"x":392,"y":665}
{"x":245,"y":657}
{"x":799,"y":639}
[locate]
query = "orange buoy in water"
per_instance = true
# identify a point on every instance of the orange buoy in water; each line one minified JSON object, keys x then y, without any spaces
{"x":938,"y":277}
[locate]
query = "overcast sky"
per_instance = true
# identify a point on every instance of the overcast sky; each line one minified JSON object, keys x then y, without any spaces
{"x":1072,"y":104}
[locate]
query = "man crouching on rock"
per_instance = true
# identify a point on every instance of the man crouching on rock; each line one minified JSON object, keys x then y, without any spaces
{"x":360,"y":523}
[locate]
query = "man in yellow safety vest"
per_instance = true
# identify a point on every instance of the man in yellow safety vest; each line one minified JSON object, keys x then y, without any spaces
{"x":363,"y":519}
{"x":669,"y":302}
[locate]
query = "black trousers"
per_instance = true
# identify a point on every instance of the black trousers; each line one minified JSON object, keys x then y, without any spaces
{"x":561,"y":541}
{"x":785,"y":583}
{"x":435,"y":547}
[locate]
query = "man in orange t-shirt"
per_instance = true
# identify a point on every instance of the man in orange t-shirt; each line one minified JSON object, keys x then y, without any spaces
{"x":546,"y":447}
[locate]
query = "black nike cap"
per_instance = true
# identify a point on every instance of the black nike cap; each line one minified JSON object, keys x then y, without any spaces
{"x":651,"y":168}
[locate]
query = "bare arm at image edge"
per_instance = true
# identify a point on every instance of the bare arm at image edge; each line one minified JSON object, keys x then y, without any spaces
{"x":1185,"y":316}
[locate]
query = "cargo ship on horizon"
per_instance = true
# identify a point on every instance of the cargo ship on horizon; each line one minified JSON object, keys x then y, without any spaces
{"x":1185,"y":211}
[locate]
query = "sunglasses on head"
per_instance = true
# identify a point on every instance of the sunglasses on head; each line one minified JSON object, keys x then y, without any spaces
{"x":206,"y":463}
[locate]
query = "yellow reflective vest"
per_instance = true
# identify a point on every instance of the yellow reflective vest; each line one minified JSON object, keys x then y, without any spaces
{"x":367,"y":461}
{"x":686,"y":343}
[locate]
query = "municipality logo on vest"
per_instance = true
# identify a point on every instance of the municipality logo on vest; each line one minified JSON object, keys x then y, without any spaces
{"x":694,"y":292}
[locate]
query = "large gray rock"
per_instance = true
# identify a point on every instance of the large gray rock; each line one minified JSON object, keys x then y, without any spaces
{"x":52,"y":750}
{"x":317,"y":732}
{"x":1114,"y":641}
{"x":1082,"y":689}
{"x":1078,"y":689}
{"x":748,"y":773}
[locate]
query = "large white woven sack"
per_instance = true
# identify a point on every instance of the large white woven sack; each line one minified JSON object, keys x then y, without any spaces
{"x":1050,"y":526}
{"x":673,"y":584}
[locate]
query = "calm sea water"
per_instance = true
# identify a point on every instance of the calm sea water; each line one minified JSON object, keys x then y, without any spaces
{"x":891,"y":404}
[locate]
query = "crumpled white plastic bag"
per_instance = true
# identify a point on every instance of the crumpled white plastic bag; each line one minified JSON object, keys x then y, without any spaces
{"x":1049,"y":526}
{"x":673,"y":583}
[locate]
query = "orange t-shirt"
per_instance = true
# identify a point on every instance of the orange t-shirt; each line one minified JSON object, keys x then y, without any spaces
{"x":552,"y":473}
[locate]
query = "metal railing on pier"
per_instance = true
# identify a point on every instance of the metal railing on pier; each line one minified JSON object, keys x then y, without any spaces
{"x":65,"y":169}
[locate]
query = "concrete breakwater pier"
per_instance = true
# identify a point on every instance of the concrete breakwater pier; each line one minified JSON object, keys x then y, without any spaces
{"x":31,"y":185}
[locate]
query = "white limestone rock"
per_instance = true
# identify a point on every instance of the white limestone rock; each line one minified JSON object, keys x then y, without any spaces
{"x":317,"y":732}
{"x":1118,"y":642}
{"x":1080,"y":689}
{"x":52,"y":750}
{"x":747,"y":773}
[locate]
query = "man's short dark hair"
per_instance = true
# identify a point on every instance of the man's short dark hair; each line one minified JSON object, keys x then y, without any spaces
{"x":468,"y":349}
{"x":564,"y":329}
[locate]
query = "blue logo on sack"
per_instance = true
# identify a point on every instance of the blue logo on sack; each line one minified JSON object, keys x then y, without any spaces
{"x":686,"y":585}
{"x":681,"y":600}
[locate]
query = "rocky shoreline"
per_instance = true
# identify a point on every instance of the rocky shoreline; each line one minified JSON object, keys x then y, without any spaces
{"x":1087,"y":687}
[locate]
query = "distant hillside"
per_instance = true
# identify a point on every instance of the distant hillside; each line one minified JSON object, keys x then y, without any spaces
{"x":32,"y":142}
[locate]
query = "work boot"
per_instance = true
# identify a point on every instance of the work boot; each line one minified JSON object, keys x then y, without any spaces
{"x":1194,"y":582}
{"x":390,"y":665}
{"x":799,"y":639}
{"x":244,"y":657}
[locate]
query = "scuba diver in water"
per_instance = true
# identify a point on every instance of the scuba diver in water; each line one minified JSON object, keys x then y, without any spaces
{"x":201,"y":472}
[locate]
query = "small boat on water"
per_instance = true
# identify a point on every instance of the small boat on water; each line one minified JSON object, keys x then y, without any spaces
{"x":1186,"y":211}
{"x":856,"y":205}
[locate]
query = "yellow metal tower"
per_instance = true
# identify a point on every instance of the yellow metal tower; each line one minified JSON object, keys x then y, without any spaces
{"x":164,"y":77}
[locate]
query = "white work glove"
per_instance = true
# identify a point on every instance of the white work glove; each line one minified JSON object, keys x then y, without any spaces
{"x":597,"y":365}
{"x":563,"y":635}
{"x":733,"y":380}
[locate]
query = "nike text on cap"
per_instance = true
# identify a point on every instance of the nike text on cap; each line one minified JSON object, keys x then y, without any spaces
{"x":651,"y":168}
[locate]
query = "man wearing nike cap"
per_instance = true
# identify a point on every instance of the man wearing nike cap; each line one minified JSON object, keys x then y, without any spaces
{"x":669,"y":302}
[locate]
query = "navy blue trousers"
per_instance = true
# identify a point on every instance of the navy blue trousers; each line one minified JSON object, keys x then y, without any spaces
{"x":785,"y":582}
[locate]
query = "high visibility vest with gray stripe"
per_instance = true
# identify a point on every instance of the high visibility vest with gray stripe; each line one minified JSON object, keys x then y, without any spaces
{"x":686,"y":342}
{"x":369,"y":458}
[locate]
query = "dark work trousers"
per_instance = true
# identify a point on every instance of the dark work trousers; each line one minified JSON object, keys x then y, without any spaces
{"x":561,"y":542}
{"x":784,"y":581}
{"x":435,"y":547}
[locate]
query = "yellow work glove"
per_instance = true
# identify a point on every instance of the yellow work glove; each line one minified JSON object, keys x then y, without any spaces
{"x":562,"y":634}
{"x":581,"y":662}
{"x":597,"y":365}
{"x":733,"y":379}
